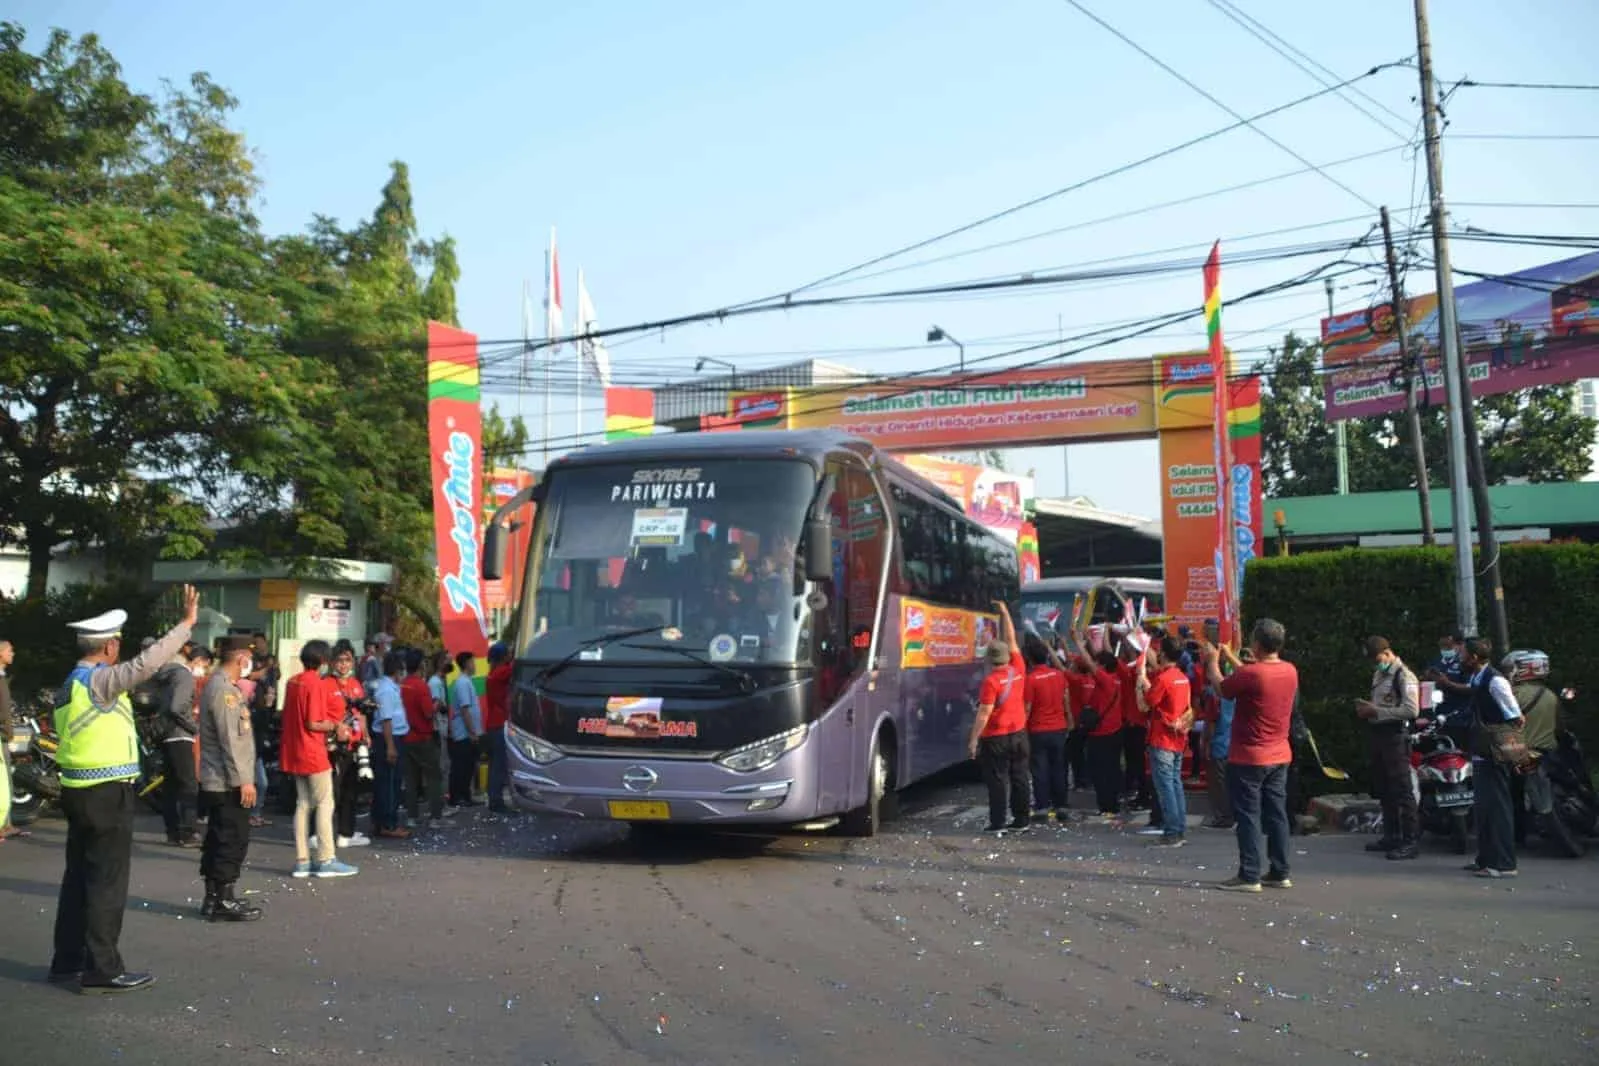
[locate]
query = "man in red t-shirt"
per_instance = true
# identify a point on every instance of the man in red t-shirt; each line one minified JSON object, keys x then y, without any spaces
{"x":1263,"y":694}
{"x":1168,"y":699}
{"x":308,"y":717}
{"x":1080,"y":694}
{"x":999,"y":732}
{"x":1048,"y":718}
{"x":419,"y":745}
{"x":496,"y":712}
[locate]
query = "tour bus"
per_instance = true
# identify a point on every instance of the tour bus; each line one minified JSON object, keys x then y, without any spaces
{"x":1048,"y":604}
{"x":762,"y":628}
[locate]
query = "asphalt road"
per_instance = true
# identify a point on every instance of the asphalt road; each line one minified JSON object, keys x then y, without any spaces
{"x":528,"y":941}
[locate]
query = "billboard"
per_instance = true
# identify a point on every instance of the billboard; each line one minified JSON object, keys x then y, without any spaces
{"x":455,"y":441}
{"x":990,"y":497}
{"x":1110,"y":400}
{"x":1535,"y":327}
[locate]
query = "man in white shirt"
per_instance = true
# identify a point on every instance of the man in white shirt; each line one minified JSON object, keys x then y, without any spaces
{"x":1492,"y":703}
{"x":466,"y":727}
{"x":389,"y":727}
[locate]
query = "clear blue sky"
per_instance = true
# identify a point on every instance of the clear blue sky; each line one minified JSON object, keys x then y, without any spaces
{"x":696,"y":154}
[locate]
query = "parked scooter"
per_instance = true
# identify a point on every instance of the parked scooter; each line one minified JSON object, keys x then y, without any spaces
{"x":1560,"y":798}
{"x":1441,"y":775}
{"x":35,"y":778}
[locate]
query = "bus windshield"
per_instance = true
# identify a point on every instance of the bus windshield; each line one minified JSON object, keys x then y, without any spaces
{"x":703,"y":551}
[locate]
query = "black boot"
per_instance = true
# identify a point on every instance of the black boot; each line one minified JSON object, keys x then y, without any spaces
{"x":213,"y":900}
{"x":1386,"y":844}
{"x":229,"y":909}
{"x":1406,"y":849}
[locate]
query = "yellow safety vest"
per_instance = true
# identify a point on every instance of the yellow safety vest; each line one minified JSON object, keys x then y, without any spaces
{"x":97,"y":744}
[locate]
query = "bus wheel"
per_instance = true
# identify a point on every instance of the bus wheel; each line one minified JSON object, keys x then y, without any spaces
{"x":866,"y":820}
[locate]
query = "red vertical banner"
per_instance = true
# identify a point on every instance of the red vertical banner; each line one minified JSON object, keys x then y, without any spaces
{"x":455,"y":441}
{"x":1226,"y":577}
{"x":1247,"y":509}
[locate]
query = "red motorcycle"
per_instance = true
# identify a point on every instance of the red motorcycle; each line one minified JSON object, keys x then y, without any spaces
{"x":1441,"y":777}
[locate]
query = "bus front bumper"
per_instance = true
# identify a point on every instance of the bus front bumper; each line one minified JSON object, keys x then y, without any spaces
{"x":611,"y":789}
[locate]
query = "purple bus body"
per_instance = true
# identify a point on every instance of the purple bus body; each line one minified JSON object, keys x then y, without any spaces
{"x":929,"y":711}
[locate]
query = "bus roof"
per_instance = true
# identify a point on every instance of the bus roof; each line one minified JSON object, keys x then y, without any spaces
{"x":1147,"y":586}
{"x":813,"y":444}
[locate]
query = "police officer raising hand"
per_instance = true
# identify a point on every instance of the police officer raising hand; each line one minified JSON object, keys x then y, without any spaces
{"x":99,"y":760}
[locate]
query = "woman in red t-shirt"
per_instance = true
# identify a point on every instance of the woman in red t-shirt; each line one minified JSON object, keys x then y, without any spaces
{"x":1048,"y":718}
{"x":1168,"y":697}
{"x":1135,"y":733}
{"x":1105,"y":735}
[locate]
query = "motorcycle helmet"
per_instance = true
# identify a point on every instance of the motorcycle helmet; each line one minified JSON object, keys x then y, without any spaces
{"x":1525,"y":666}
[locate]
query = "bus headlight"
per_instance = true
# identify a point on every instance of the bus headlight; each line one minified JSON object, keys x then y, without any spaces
{"x":763,"y":753}
{"x":539,"y":752}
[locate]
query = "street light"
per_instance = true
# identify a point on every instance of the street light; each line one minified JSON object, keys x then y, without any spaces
{"x":732,"y":371}
{"x":937,"y":334}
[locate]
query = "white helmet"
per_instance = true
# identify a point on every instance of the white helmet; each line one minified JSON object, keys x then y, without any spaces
{"x":1525,"y":666}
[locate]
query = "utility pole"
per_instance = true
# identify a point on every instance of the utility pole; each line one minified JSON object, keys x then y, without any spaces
{"x":1412,"y":408}
{"x":1455,"y":384}
{"x":1340,"y":427}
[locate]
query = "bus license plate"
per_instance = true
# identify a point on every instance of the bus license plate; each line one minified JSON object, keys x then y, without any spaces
{"x":640,"y":810}
{"x":1461,"y":798}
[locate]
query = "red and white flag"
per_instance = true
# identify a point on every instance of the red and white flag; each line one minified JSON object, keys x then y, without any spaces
{"x":553,"y":323}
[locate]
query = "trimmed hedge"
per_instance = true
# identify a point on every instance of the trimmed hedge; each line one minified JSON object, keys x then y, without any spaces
{"x":1331,"y":601}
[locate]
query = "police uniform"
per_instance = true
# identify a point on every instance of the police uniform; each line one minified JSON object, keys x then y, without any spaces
{"x":98,"y":756}
{"x":227,"y":763}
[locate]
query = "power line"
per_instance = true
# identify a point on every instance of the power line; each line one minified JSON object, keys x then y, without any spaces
{"x":1073,"y":187}
{"x":1133,"y":213}
{"x":1523,"y":206}
{"x":1261,"y":32}
{"x":1095,"y":340}
{"x":1163,"y":65}
{"x":1028,"y":280}
{"x":1522,"y":136}
{"x":1468,"y":83}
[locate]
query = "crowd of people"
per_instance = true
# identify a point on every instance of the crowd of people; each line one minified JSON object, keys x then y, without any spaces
{"x":396,"y":723}
{"x":1124,"y":718}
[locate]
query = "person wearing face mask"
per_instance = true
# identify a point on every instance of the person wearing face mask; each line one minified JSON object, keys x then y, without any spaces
{"x":348,"y":695}
{"x":174,"y":686}
{"x":1448,"y":672}
{"x":1395,"y":702}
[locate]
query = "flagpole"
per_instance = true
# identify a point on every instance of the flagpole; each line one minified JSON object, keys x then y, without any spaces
{"x":582,"y":326}
{"x":549,"y":350}
{"x":527,"y":330}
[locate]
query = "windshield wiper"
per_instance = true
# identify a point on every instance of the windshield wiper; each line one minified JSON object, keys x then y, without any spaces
{"x":589,"y":645}
{"x":745,"y":682}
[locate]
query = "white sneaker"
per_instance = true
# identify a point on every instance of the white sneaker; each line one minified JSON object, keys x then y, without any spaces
{"x":1152,"y":831}
{"x":360,"y":840}
{"x":450,"y":812}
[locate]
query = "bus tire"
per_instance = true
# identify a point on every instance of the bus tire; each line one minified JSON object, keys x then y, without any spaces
{"x":867,"y":819}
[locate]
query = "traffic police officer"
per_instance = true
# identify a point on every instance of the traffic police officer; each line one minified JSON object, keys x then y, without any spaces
{"x":227,"y":784}
{"x":98,"y":755}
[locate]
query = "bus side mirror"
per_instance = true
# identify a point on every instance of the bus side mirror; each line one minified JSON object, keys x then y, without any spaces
{"x":818,"y":550}
{"x":494,"y":546}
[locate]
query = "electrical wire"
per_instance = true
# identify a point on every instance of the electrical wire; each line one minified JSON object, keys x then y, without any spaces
{"x":1163,"y":65}
{"x":949,"y":375}
{"x":1073,"y":187}
{"x":1468,"y":83}
{"x":1523,"y":206}
{"x":1522,"y":136}
{"x":1321,"y":75}
{"x":1123,"y":215}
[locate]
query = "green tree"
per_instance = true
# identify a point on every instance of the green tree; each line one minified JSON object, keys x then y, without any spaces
{"x":504,"y":439}
{"x":136,"y":359}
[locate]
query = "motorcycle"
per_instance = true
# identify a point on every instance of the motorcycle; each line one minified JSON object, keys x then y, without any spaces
{"x":35,"y":778}
{"x":1559,"y":790}
{"x":1441,"y":777}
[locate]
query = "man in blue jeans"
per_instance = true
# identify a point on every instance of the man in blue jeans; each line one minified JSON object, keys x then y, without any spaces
{"x":1259,"y":752}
